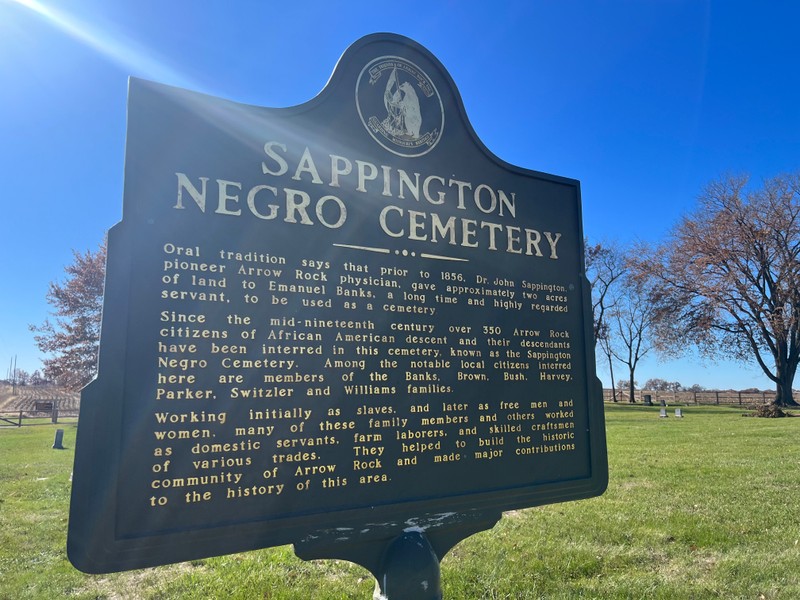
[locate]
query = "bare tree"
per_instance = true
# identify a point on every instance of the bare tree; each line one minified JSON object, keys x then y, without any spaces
{"x":603,"y":342}
{"x":729,"y":277}
{"x":22,"y":377}
{"x":662,"y":385}
{"x":657,"y":385}
{"x":37,"y":378}
{"x":631,"y":322}
{"x":72,"y":340}
{"x":604,"y":268}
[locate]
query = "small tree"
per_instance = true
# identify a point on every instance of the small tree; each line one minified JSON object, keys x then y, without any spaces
{"x":603,"y":342}
{"x":72,"y":340}
{"x":22,"y":377}
{"x":631,"y":323}
{"x":604,"y":268}
{"x":37,"y":378}
{"x":662,"y":385}
{"x":657,"y":385}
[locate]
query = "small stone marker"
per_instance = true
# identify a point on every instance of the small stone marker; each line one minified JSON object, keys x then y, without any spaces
{"x":678,"y":413}
{"x":58,"y":442}
{"x":648,"y":400}
{"x":663,"y":413}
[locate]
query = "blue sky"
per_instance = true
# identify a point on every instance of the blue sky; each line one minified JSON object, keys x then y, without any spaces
{"x":643,"y":101}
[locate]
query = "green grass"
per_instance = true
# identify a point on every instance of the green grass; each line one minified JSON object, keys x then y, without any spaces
{"x":702,"y":507}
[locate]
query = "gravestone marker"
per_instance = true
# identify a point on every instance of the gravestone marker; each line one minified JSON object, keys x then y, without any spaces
{"x":344,"y":325}
{"x":58,"y":441}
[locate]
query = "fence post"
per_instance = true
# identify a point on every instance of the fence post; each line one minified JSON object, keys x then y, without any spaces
{"x":717,"y":396}
{"x":19,"y":423}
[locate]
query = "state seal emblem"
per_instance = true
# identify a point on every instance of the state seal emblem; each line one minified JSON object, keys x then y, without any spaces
{"x":399,"y":106}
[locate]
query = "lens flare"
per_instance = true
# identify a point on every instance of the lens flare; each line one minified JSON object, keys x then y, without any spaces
{"x":112,"y":44}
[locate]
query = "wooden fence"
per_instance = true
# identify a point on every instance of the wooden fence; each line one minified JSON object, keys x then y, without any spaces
{"x":37,"y":405}
{"x":21,"y":418}
{"x":728,"y":397}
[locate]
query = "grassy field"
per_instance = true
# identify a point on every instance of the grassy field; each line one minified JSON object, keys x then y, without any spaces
{"x":707,"y":506}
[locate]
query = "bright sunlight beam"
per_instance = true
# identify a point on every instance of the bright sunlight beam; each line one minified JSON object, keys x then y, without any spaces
{"x":113,"y":45}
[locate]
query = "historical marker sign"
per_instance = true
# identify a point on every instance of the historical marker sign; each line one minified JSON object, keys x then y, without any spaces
{"x":331,"y":322}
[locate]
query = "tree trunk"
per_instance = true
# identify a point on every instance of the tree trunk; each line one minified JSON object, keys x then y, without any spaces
{"x":785,"y":368}
{"x":631,"y":397}
{"x":783,"y":392}
{"x":613,"y":386}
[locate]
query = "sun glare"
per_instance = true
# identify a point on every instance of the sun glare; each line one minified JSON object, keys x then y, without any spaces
{"x":112,"y":44}
{"x":32,"y":4}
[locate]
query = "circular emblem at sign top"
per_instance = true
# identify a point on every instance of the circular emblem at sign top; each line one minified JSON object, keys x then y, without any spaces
{"x":400,"y":106}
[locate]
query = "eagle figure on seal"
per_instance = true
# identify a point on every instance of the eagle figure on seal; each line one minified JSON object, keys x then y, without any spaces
{"x":402,"y":105}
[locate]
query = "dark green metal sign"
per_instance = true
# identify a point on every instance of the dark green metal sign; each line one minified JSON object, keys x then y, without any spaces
{"x":330,"y":324}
